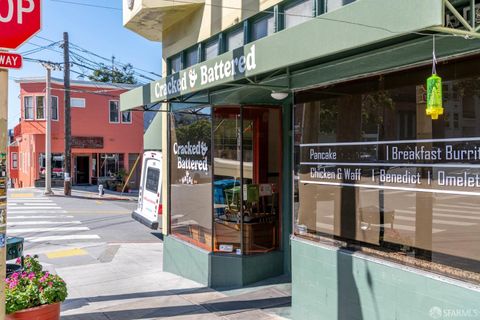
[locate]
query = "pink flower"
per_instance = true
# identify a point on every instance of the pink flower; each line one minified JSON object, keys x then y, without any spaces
{"x":50,"y":284}
{"x":31,"y":275}
{"x":18,"y":261}
{"x":15,"y":275}
{"x":40,"y":289}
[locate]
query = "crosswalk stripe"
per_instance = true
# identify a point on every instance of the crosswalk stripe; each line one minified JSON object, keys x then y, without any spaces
{"x":62,"y":238}
{"x":438,"y":221}
{"x":41,"y":217}
{"x":472,"y":212}
{"x":30,"y":208}
{"x":52,"y":229}
{"x":30,"y":204}
{"x":24,"y":211}
{"x":396,"y":226}
{"x":470,"y":207}
{"x":445,"y":215}
{"x":29,"y":200}
{"x":22,"y":223}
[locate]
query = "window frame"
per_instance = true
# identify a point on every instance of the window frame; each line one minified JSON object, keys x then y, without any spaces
{"x":264,"y":17}
{"x":292,"y":4}
{"x":74,"y":106}
{"x":233,"y":32}
{"x":216,"y":40}
{"x":171,"y":59}
{"x":110,"y":112}
{"x":124,"y":112}
{"x":36,"y":107}
{"x":25,"y":109}
{"x":14,"y":160}
{"x":51,"y":111}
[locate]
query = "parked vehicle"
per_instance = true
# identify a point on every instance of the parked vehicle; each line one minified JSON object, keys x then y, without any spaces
{"x":149,"y":209}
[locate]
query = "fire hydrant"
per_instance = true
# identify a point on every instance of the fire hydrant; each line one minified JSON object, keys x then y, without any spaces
{"x":100,"y":190}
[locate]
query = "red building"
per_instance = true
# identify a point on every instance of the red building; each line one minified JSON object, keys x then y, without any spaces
{"x":105,"y":142}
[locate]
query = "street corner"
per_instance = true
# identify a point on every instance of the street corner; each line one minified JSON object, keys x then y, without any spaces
{"x":79,"y":255}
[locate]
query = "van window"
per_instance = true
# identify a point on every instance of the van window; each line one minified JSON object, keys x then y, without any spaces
{"x":153,"y":177}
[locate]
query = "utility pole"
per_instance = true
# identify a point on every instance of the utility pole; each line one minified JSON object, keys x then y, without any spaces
{"x":48,"y":131}
{"x":3,"y":184}
{"x":67,"y":189}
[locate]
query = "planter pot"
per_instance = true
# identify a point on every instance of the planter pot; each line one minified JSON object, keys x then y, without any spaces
{"x":44,"y":312}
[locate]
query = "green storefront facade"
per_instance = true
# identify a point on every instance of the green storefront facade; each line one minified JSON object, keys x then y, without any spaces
{"x":323,"y":185}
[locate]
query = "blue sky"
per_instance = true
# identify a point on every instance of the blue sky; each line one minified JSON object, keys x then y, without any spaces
{"x":95,"y":29}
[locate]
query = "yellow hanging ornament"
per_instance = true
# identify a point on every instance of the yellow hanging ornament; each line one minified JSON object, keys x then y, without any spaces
{"x":434,"y":97}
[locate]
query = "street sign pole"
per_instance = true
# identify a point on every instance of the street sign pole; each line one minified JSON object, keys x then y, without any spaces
{"x":3,"y":187}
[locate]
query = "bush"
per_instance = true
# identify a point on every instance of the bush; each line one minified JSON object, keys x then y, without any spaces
{"x":33,"y":287}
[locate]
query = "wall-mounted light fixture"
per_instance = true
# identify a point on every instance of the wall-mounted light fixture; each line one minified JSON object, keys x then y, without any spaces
{"x":279,"y":95}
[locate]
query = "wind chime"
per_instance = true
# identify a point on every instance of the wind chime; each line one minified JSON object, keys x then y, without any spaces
{"x":434,"y":91}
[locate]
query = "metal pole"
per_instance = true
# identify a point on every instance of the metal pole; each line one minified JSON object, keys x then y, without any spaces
{"x":48,"y":133}
{"x":66,"y":79}
{"x":3,"y":184}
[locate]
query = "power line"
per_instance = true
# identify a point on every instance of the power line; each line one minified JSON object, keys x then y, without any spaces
{"x":87,"y":5}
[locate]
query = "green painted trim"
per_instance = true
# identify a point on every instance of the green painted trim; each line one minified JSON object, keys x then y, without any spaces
{"x":328,"y":283}
{"x":152,"y":138}
{"x":332,"y":35}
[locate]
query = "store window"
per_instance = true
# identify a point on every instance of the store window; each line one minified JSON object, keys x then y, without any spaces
{"x":298,"y":12}
{"x":371,"y":169}
{"x":40,"y":106}
{"x":235,"y":39}
{"x":56,"y":163}
{"x":212,"y":49}
{"x":28,"y":112}
{"x":114,"y":112}
{"x":54,"y":108}
{"x":191,"y":176}
{"x":263,"y":27}
{"x":111,"y":164}
{"x":191,"y":57}
{"x":335,"y":4}
{"x":176,"y":63}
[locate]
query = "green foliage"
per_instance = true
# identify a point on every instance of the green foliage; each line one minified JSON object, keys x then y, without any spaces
{"x":33,"y":287}
{"x":123,"y":75}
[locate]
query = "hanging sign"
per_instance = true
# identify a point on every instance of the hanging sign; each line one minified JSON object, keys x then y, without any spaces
{"x":434,"y":97}
{"x":10,"y":60}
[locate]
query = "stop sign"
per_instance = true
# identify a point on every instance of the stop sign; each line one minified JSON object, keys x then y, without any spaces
{"x":19,"y":20}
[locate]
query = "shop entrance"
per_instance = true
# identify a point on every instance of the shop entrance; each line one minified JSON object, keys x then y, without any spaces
{"x":82,"y":170}
{"x":247,"y":179}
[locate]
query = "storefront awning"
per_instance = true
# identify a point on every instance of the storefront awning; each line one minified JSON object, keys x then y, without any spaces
{"x":350,"y":27}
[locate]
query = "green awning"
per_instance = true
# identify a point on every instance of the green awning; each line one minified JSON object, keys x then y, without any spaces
{"x":356,"y":25}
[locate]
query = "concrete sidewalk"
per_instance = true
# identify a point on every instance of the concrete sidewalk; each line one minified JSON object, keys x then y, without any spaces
{"x":133,"y":286}
{"x":91,"y":192}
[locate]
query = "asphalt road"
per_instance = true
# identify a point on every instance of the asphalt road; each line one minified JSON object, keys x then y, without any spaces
{"x":68,"y":231}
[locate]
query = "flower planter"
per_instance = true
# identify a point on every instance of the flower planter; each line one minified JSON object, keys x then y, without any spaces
{"x":44,"y":312}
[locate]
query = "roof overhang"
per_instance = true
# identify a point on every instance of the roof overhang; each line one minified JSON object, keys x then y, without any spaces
{"x":353,"y":26}
{"x":149,"y":18}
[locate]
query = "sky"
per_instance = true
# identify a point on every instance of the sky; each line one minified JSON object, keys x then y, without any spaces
{"x":99,"y":30}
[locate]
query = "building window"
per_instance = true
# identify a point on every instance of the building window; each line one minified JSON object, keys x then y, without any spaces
{"x":77,"y":103}
{"x":126,"y":117}
{"x":28,"y":108}
{"x":56,"y":165}
{"x":192,"y":57}
{"x":212,"y":49}
{"x":297,"y":13}
{"x":14,"y":160}
{"x":176,"y":63}
{"x":113,"y":112}
{"x":110,"y":164}
{"x":235,"y":39}
{"x":401,"y":193}
{"x":40,"y":112}
{"x":335,"y":4}
{"x":55,"y":108}
{"x":263,"y":27}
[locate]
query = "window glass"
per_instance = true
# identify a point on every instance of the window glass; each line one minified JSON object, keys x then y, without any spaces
{"x":126,"y":116}
{"x":54,"y":108}
{"x":110,"y":164}
{"x":263,"y":27}
{"x":113,"y":113}
{"x":211,"y":49}
{"x":191,"y":176}
{"x":14,"y":160}
{"x":77,"y":103}
{"x":335,"y":4}
{"x":28,"y":108}
{"x":153,"y":179}
{"x":298,"y":13}
{"x":235,"y":39}
{"x":371,"y":168}
{"x":192,"y":57}
{"x":176,"y":63}
{"x":56,"y":163}
{"x":40,"y":107}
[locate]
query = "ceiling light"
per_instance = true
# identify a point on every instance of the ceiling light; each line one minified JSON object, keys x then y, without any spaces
{"x":278,"y":95}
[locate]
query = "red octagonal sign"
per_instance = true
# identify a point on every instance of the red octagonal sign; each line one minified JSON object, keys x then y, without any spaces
{"x":19,"y":20}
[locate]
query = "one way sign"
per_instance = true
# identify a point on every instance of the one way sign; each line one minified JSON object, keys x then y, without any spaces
{"x":10,"y":60}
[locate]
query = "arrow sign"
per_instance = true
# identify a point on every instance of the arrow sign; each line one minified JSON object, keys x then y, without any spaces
{"x":10,"y":60}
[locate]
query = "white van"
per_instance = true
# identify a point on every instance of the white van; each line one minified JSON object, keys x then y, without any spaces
{"x":149,"y":209}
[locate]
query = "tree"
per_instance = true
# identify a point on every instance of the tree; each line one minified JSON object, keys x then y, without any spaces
{"x":123,"y":75}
